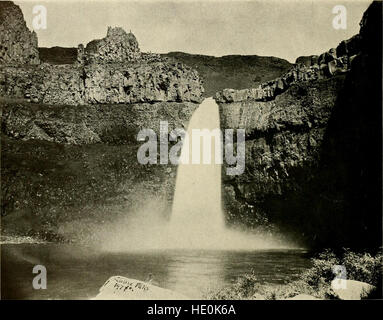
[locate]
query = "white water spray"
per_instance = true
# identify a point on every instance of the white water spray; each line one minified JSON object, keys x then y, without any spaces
{"x":197,"y":220}
{"x":197,"y":216}
{"x":197,"y":211}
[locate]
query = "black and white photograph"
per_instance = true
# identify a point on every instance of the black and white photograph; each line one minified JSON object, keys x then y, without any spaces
{"x":191,"y":150}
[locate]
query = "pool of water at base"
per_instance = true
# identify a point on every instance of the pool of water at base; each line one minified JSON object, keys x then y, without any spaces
{"x":75,"y":272}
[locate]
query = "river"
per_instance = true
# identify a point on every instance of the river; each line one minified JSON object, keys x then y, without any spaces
{"x":75,"y":272}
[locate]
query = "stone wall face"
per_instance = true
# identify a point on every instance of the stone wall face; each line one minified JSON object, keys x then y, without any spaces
{"x":18,"y":45}
{"x":69,"y":149}
{"x":81,"y":125}
{"x":93,"y":84}
{"x":70,"y":171}
{"x":152,"y":82}
{"x":312,"y":137}
{"x":269,"y":90}
{"x":333,"y":62}
{"x":59,"y":84}
{"x":110,"y":70}
{"x":283,"y":143}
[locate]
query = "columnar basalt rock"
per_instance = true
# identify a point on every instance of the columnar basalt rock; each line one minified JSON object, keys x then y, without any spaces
{"x":307,"y":68}
{"x":109,"y":70}
{"x":153,"y":82}
{"x":76,"y":126}
{"x":83,"y":125}
{"x":95,"y":83}
{"x":18,"y":45}
{"x":310,"y":141}
{"x":269,"y":90}
{"x":105,"y":76}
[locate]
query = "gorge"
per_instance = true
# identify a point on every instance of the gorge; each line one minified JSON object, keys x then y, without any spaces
{"x":68,"y":142}
{"x":312,"y":149}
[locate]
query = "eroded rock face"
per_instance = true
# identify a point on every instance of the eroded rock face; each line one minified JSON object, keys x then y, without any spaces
{"x":269,"y":90}
{"x":18,"y":45}
{"x":110,"y":70}
{"x":95,"y":83}
{"x":80,"y":125}
{"x":151,"y":82}
{"x":307,"y":68}
{"x":117,"y":47}
{"x":283,"y":139}
{"x":313,"y":146}
{"x":70,"y":171}
{"x":69,"y":150}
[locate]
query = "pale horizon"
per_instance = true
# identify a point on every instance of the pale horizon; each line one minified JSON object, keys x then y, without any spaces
{"x":284,"y":29}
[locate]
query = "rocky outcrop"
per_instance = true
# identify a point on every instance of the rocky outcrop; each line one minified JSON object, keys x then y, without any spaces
{"x":346,"y":49}
{"x":269,"y":90}
{"x":153,"y":82}
{"x":110,"y":70}
{"x":232,"y":71}
{"x":307,"y":68}
{"x":79,"y":125}
{"x":117,"y":47}
{"x":312,"y":146}
{"x":94,"y":84}
{"x":69,"y":150}
{"x":307,"y":61}
{"x":18,"y":45}
{"x":283,"y":139}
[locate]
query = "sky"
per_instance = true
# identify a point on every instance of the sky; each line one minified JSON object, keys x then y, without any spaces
{"x":284,"y":28}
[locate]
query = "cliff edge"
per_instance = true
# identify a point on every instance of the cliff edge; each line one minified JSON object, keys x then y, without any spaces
{"x":18,"y":45}
{"x":313,"y":145}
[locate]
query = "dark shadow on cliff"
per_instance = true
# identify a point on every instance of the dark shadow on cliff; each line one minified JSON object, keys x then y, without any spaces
{"x":341,"y":205}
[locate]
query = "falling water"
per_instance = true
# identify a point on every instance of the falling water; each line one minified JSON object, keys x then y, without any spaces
{"x":197,"y":220}
{"x":197,"y":216}
{"x":197,"y":200}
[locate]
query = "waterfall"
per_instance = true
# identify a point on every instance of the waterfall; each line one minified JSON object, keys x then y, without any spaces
{"x":197,"y":197}
{"x":197,"y":220}
{"x":197,"y":211}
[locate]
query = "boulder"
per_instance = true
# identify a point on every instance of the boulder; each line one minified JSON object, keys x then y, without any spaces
{"x":121,"y":288}
{"x":351,"y":289}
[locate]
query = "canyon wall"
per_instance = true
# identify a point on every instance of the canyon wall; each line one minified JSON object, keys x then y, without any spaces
{"x":68,"y":136}
{"x":18,"y":45}
{"x":110,"y":70}
{"x":95,"y":84}
{"x":313,"y":149}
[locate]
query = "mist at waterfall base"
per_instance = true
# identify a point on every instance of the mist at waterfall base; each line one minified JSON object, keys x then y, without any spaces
{"x":197,"y":220}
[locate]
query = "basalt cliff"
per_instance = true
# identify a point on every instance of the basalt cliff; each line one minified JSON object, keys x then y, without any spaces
{"x":18,"y":45}
{"x":68,"y":140}
{"x":69,"y":126}
{"x":313,"y":145}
